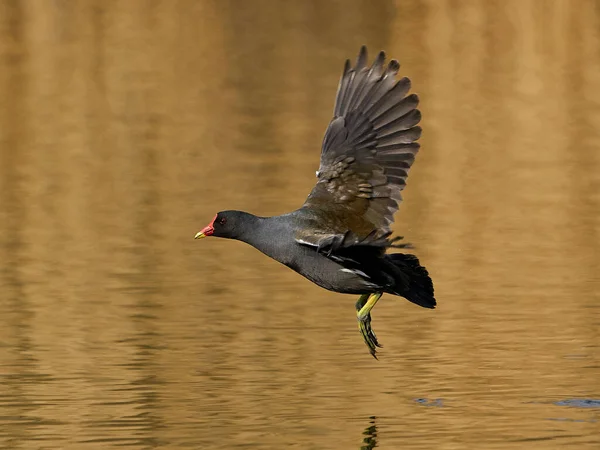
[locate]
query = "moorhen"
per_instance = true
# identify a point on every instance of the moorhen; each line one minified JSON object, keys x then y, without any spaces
{"x":339,"y":237}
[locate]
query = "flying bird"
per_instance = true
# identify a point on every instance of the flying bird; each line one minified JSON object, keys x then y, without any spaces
{"x":340,"y":236}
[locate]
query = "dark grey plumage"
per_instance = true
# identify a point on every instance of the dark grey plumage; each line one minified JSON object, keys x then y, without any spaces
{"x":339,"y":237}
{"x":367,"y":151}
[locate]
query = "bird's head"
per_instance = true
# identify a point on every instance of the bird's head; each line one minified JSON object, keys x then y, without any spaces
{"x":225,"y":224}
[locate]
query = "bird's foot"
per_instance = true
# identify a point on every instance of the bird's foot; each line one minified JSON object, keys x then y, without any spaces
{"x":364,"y":326}
{"x":363,"y":307}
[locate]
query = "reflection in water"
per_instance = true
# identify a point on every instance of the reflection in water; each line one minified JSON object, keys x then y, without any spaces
{"x":579,"y":403}
{"x":370,"y":433}
{"x":427,"y":402}
{"x":125,"y":125}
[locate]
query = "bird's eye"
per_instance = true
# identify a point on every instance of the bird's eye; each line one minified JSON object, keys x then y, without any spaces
{"x":222,"y":221}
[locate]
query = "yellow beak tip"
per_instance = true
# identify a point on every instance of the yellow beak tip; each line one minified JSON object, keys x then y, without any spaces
{"x":199,"y":235}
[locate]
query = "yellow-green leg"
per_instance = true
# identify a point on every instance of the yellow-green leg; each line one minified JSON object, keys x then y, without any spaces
{"x":364,"y":305}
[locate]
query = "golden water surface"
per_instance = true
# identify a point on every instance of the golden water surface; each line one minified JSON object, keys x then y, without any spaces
{"x":126,"y":125}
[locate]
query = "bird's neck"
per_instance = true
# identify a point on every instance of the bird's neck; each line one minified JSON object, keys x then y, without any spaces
{"x":266,"y":234}
{"x":247,"y":226}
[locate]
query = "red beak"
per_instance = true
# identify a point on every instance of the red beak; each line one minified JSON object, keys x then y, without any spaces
{"x":206,"y":231}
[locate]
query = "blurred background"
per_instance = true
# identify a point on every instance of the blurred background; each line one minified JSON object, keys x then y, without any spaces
{"x":126,"y":125}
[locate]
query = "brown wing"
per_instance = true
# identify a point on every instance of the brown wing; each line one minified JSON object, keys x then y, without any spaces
{"x":367,"y":151}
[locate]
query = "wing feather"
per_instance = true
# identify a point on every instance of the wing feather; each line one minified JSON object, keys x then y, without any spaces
{"x":367,"y":151}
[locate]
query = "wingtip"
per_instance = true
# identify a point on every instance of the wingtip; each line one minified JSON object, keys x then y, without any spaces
{"x":393,"y":66}
{"x":347,"y":66}
{"x":363,"y":56}
{"x":377,"y":66}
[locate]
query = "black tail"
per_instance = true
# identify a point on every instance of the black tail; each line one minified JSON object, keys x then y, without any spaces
{"x":412,"y":280}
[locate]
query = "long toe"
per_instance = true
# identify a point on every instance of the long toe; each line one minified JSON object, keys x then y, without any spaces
{"x":373,"y":336}
{"x":364,"y":325}
{"x":370,"y":333}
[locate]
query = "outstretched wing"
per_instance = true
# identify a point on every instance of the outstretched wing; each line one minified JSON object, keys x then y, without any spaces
{"x":367,"y":151}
